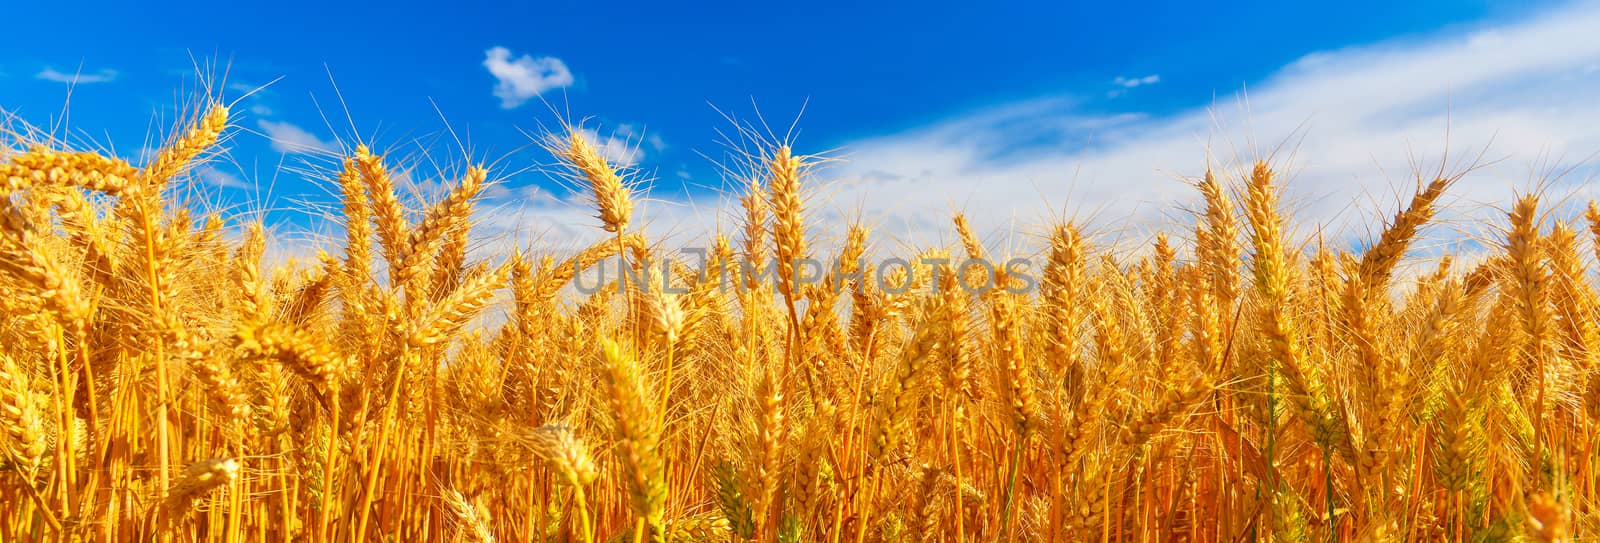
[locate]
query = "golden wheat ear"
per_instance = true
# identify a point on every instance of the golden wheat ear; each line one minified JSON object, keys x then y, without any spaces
{"x":612,"y":197}
{"x":20,"y":417}
{"x":196,"y":481}
{"x":637,"y":433}
{"x":41,"y":166}
{"x":472,"y":519}
{"x":1217,"y":241}
{"x":1062,"y":295}
{"x":560,"y":446}
{"x":182,"y":151}
{"x":388,"y":214}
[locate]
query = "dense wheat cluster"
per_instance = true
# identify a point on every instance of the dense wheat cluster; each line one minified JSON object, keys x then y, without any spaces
{"x":1233,"y":382}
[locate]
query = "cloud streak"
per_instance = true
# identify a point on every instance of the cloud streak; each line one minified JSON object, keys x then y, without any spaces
{"x":1131,"y":82}
{"x":99,"y":76}
{"x":1125,"y":84}
{"x":215,"y":177}
{"x":289,"y":138}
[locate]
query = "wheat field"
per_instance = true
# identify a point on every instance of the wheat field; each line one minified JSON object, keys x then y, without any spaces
{"x":161,"y":380}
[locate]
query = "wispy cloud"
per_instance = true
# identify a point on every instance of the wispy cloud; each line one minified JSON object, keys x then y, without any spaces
{"x":1353,"y":121}
{"x":1125,"y":84}
{"x":289,"y":138}
{"x":98,"y":76}
{"x":244,"y":87}
{"x":616,"y":147}
{"x":639,"y":136}
{"x":213,"y":176}
{"x":1346,"y":128}
{"x":525,"y":77}
{"x":1131,"y":82}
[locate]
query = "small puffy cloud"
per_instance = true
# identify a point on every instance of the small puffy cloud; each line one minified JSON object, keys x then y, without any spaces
{"x":100,"y":76}
{"x":524,"y":77}
{"x":289,"y":138}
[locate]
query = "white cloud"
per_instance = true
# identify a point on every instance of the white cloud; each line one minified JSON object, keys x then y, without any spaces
{"x":1352,"y":120}
{"x":99,"y":76}
{"x":616,"y":148}
{"x":1124,"y":84}
{"x":525,"y":77}
{"x":242,"y":87}
{"x":635,"y":134}
{"x":213,"y":176}
{"x":1342,"y":126}
{"x":289,"y":138}
{"x":1131,"y":82}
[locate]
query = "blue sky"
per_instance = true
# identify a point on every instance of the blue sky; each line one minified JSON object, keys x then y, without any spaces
{"x":958,"y":105}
